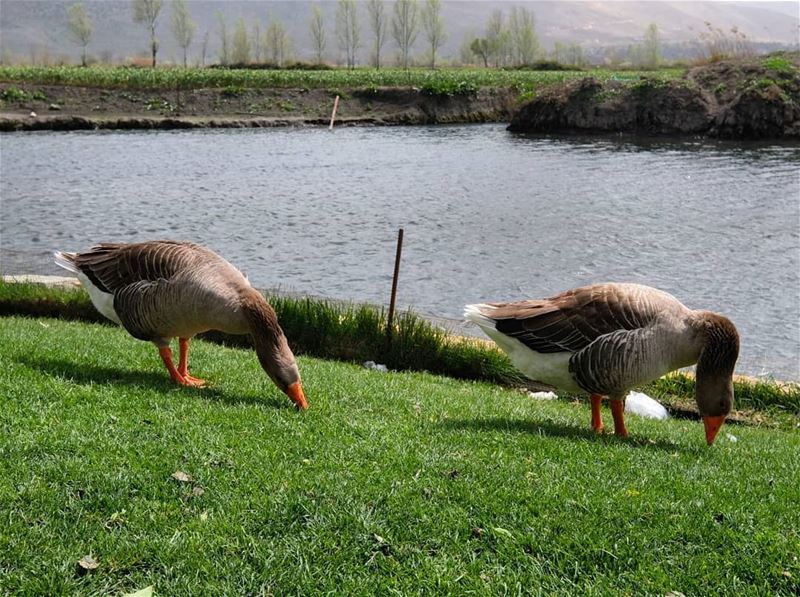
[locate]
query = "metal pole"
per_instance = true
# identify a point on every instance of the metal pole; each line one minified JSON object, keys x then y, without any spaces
{"x":390,"y":318}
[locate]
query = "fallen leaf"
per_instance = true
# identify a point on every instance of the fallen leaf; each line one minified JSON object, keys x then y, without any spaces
{"x":146,"y":592}
{"x":181,"y":477}
{"x":504,"y":532}
{"x":787,"y":574}
{"x":674,"y":594}
{"x":197,"y":491}
{"x":204,"y":515}
{"x":85,"y":565}
{"x":116,"y":520}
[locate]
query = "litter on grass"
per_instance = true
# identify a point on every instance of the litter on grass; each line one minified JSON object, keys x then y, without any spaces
{"x":376,"y":366}
{"x":543,"y":395}
{"x":644,"y":406}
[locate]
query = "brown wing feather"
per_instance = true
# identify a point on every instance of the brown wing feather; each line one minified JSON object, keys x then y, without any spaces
{"x":112,"y":267}
{"x":572,"y":320}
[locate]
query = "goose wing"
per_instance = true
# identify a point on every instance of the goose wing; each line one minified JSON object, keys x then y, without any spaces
{"x":572,"y":320}
{"x":112,"y":267}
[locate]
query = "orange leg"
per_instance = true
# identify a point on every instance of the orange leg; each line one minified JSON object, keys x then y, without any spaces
{"x":183,"y":365}
{"x":166,"y":355}
{"x":617,"y":410}
{"x":597,"y":419}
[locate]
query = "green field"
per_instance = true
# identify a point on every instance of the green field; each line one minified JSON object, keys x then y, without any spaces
{"x":393,"y":483}
{"x":455,"y":80}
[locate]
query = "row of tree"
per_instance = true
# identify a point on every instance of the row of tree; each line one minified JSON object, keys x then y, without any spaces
{"x":508,"y":41}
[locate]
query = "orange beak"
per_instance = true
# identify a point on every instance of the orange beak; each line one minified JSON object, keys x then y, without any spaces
{"x":295,"y":393}
{"x":712,"y":425}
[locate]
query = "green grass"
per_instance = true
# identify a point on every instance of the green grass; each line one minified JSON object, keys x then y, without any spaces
{"x":381,"y":487}
{"x":443,"y":81}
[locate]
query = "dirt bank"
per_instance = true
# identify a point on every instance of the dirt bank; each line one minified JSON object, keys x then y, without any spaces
{"x":71,"y":108}
{"x":743,"y":99}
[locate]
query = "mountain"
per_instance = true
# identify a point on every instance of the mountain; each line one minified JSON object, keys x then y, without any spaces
{"x":36,"y":29}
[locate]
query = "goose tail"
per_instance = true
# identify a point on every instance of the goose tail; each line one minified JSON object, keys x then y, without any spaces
{"x":480,"y":315}
{"x":66,"y":260}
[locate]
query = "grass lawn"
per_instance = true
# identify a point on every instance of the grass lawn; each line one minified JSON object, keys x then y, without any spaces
{"x":391,"y":483}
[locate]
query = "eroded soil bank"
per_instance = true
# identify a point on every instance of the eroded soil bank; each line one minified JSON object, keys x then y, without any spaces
{"x":742,"y":99}
{"x":74,"y":108}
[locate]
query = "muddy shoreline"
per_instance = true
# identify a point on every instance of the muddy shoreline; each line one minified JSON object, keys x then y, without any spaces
{"x":48,"y":107}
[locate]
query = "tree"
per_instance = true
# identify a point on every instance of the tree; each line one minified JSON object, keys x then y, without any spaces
{"x":651,"y":52}
{"x":480,"y":47}
{"x":377,"y":22}
{"x":317,"y":28}
{"x":496,"y":38}
{"x":204,"y":48}
{"x":523,"y":35}
{"x":434,"y":27}
{"x":277,"y":42}
{"x":80,"y":27}
{"x":405,"y":27}
{"x":255,"y":42}
{"x":240,"y":46}
{"x":146,"y":12}
{"x":222,"y":31}
{"x":183,"y":26}
{"x":347,"y":30}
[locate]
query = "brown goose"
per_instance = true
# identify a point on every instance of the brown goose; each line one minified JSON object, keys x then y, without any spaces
{"x":607,"y":338}
{"x":159,"y":290}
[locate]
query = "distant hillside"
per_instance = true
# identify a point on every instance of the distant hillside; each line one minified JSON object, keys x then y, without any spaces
{"x":36,"y":28}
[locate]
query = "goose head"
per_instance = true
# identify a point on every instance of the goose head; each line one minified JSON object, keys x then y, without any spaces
{"x":714,"y":383}
{"x":272,"y":348}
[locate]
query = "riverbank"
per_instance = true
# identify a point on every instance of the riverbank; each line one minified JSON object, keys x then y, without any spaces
{"x":49,"y":107}
{"x":68,"y":98}
{"x":754,"y":98}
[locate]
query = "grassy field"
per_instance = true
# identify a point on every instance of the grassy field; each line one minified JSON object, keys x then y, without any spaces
{"x":392,"y":483}
{"x":435,"y":81}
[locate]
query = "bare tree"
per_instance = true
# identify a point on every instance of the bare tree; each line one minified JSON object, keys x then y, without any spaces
{"x":317,"y":28}
{"x":496,"y":37}
{"x":204,"y":48}
{"x":405,"y":27}
{"x":240,"y":48}
{"x":80,"y":27}
{"x":347,"y":30}
{"x":480,"y":47}
{"x":377,"y":22}
{"x":523,"y":35}
{"x":434,"y":27}
{"x":652,"y":46}
{"x":183,"y":26}
{"x":277,"y":42}
{"x":222,"y":31}
{"x":255,"y":41}
{"x":146,"y":12}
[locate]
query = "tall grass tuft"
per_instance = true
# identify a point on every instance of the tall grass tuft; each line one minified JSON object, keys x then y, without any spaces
{"x":316,"y":327}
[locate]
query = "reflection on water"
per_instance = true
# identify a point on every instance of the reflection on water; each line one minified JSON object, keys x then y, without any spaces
{"x":487,"y":214}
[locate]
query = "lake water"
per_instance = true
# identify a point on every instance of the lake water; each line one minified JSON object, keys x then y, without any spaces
{"x":488,"y":215}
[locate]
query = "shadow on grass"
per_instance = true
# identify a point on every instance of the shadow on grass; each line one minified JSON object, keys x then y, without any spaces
{"x":83,"y":373}
{"x":550,"y":429}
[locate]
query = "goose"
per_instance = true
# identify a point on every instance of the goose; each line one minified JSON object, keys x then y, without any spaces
{"x":604,"y":339}
{"x":159,"y":290}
